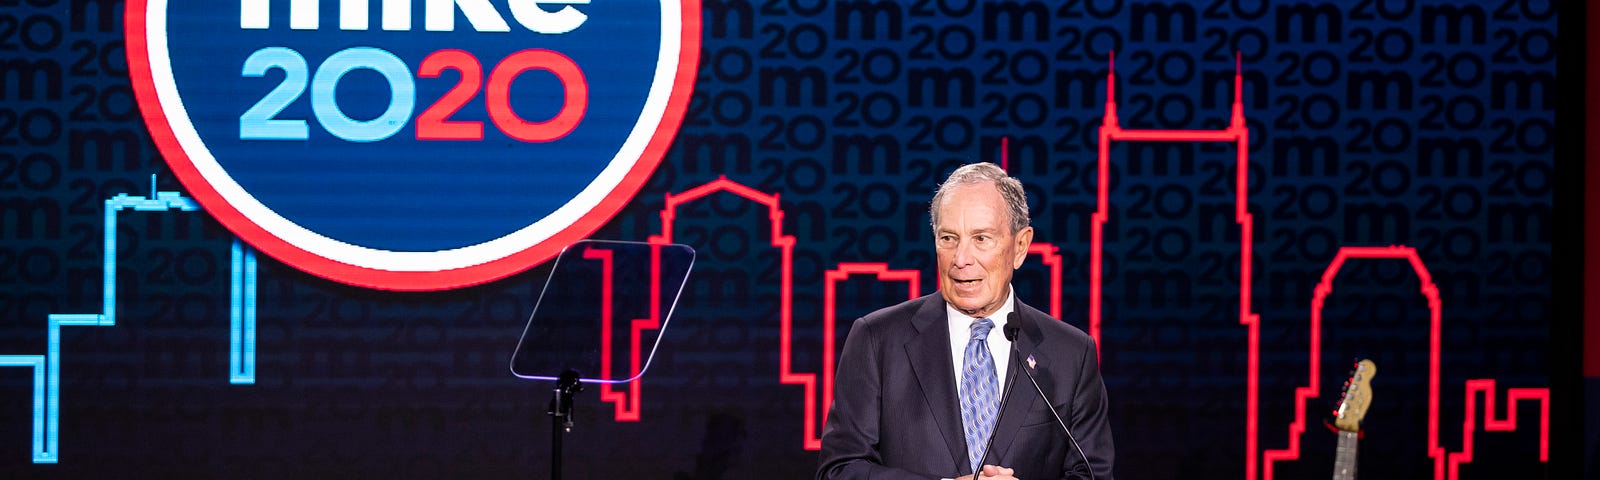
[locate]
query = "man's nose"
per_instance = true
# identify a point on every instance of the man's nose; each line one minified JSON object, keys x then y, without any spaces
{"x":964,"y":253}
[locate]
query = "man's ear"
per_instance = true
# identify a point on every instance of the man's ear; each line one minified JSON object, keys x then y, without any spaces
{"x":1024,"y":238}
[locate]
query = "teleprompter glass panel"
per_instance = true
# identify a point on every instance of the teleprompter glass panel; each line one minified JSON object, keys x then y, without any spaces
{"x":603,"y":311}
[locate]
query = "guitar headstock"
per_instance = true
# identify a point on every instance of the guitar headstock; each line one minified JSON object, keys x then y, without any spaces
{"x":1357,"y":396}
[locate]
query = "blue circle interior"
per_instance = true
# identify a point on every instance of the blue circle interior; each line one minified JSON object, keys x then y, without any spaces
{"x":399,"y":193}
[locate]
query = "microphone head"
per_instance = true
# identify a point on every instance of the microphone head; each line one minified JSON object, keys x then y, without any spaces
{"x":1011,"y":327}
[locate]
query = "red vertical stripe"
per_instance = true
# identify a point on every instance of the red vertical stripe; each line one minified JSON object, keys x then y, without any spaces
{"x":1591,"y":193}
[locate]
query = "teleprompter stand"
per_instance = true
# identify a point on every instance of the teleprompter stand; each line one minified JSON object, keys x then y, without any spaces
{"x":561,"y":416}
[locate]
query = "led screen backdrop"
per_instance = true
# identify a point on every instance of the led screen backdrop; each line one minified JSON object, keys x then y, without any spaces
{"x":1238,"y":203}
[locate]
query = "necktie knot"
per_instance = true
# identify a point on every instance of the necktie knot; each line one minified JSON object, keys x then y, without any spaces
{"x":980,"y":328}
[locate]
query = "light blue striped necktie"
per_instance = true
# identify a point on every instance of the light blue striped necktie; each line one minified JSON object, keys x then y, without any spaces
{"x":980,"y":392}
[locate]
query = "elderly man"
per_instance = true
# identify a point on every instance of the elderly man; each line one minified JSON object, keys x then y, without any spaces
{"x":919,"y":391}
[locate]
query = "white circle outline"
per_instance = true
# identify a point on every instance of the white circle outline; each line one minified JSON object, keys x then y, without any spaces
{"x":205,"y":163}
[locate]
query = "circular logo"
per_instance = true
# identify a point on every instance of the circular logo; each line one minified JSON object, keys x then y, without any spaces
{"x":412,"y":144}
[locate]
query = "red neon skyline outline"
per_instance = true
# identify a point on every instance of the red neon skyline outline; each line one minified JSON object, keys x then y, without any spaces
{"x":785,"y":244}
{"x":627,"y":404}
{"x":1050,"y":256}
{"x":1445,"y":465}
{"x":831,"y":278}
{"x":1238,"y":133}
{"x":1312,"y":388}
{"x":1491,"y":424}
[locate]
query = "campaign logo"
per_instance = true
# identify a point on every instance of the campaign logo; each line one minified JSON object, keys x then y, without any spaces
{"x":412,"y":144}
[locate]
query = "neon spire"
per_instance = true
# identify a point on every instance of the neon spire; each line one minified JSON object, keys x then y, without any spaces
{"x":1111,"y":91}
{"x":1238,"y":91}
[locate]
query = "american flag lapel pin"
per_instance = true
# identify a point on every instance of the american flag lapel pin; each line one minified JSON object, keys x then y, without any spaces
{"x":1032,"y":364}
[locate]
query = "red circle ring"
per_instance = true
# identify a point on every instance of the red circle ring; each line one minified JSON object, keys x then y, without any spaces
{"x":248,"y":230}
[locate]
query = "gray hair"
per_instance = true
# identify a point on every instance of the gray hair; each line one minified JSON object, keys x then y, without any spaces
{"x":1010,"y":189}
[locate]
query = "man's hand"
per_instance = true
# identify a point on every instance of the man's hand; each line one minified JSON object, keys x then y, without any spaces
{"x":992,"y":472}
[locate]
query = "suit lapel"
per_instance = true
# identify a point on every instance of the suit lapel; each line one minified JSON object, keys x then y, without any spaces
{"x":1020,"y":397}
{"x":929,"y":354}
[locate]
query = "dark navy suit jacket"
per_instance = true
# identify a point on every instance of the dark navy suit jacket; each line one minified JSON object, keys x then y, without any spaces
{"x":895,"y":414}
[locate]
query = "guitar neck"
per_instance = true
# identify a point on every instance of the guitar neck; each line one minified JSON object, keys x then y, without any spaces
{"x":1344,"y":460}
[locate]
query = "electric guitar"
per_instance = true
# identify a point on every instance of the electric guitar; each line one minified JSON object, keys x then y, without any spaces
{"x":1347,"y":418}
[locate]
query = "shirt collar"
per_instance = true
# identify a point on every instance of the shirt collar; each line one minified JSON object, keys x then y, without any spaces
{"x":961,"y":322}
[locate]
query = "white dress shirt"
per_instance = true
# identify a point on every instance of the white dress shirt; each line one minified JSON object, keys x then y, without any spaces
{"x":999,"y":348}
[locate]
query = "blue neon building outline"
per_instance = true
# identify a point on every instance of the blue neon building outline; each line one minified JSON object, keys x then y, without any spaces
{"x":47,"y":367}
{"x":242,"y":316}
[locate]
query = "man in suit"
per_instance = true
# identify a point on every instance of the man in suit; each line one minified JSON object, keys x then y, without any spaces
{"x":931,"y":388}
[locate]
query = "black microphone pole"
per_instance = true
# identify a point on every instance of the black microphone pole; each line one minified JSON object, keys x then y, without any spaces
{"x":1011,"y":329}
{"x":561,"y":416}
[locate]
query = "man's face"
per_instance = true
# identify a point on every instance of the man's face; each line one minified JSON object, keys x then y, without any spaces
{"x":977,"y":250}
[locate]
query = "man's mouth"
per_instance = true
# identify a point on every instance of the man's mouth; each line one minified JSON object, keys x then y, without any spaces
{"x":968,"y":282}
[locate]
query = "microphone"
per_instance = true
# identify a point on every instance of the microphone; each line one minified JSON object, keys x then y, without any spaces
{"x":1011,"y":329}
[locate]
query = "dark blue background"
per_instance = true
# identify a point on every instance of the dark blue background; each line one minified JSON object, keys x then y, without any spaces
{"x":365,"y":383}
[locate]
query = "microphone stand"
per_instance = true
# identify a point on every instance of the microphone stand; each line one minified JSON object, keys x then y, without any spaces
{"x":1011,"y":330}
{"x":561,"y":416}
